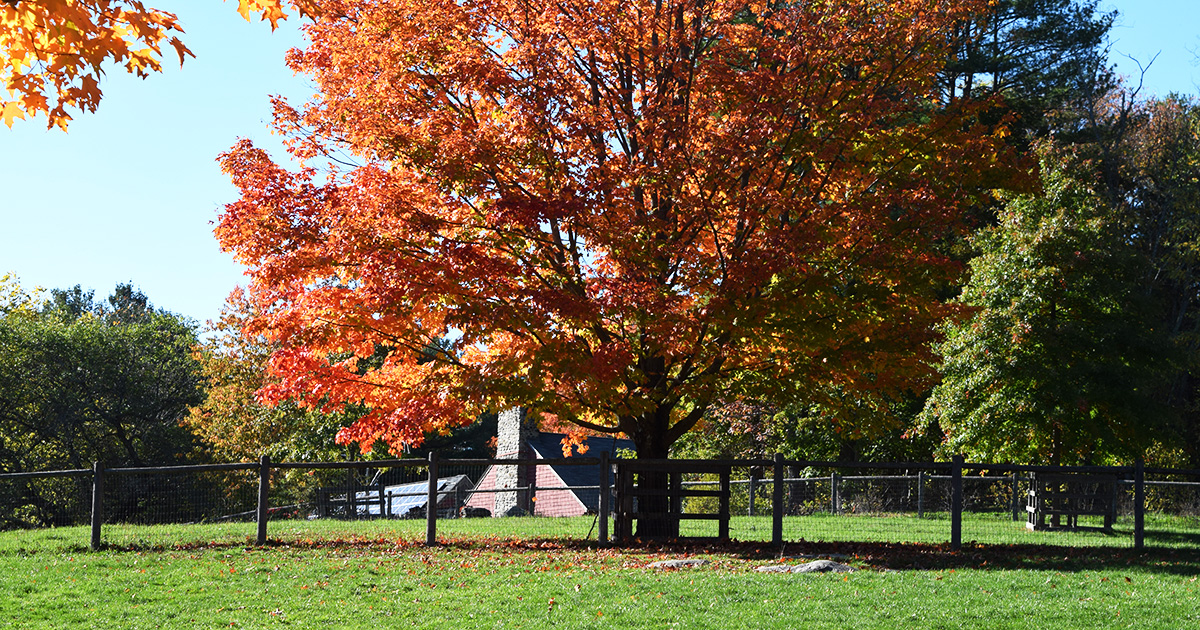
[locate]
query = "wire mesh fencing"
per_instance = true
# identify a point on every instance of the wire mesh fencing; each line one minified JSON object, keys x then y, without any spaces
{"x":600,"y":500}
{"x":37,"y":508}
{"x":534,"y":499}
{"x":993,"y":505}
{"x":1172,"y":507}
{"x":749,"y":504}
{"x":486,"y":499}
{"x":178,"y":506}
{"x":829,"y":503}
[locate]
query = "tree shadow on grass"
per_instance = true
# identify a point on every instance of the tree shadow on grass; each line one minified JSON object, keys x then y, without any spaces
{"x":1172,"y":539}
{"x":1166,"y":552}
{"x":913,"y":556}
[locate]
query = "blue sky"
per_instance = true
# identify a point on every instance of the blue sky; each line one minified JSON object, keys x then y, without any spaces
{"x":128,"y":195}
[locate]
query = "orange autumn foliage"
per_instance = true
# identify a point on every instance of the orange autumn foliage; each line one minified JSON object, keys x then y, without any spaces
{"x":53,"y":52}
{"x":612,"y":212}
{"x":230,"y":421}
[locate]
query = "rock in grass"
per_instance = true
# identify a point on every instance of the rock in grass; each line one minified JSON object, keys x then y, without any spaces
{"x":816,"y":566}
{"x":823,"y":566}
{"x":686,"y":563}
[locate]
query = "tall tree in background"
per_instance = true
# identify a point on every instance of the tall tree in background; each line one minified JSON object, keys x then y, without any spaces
{"x":611,"y":212}
{"x":1039,"y":55}
{"x":82,"y":382}
{"x":1159,"y":181}
{"x":1058,"y":365}
{"x":1084,"y":344}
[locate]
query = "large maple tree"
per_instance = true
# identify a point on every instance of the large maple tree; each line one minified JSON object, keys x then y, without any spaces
{"x":609,"y":212}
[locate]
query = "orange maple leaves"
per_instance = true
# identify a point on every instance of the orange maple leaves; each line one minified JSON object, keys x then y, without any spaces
{"x":53,"y":52}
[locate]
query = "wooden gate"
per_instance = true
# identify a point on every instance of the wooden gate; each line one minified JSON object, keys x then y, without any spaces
{"x":1058,"y":500}
{"x":642,"y":496}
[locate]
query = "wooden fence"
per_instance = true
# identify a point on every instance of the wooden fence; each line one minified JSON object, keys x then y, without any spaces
{"x":630,"y":502}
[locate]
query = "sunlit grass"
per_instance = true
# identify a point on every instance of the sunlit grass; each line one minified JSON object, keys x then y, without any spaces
{"x":934,"y":528}
{"x":379,"y":575}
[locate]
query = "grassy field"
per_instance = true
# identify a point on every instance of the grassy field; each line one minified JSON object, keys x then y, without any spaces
{"x":376,"y":574}
{"x":987,"y":529}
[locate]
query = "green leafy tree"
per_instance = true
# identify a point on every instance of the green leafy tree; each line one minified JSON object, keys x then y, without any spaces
{"x":81,"y":382}
{"x":1158,"y":172}
{"x":1062,"y":360}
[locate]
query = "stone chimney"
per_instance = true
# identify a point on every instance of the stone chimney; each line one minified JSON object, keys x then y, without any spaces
{"x":514,"y":431}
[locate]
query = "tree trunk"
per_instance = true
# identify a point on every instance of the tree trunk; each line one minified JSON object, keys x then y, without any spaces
{"x":654,"y":519}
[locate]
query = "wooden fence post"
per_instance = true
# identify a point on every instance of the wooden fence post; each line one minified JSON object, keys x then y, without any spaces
{"x":605,"y":471}
{"x":1139,"y":505}
{"x":1114,"y":499}
{"x":753,"y":489}
{"x":531,"y":499}
{"x":956,"y":504}
{"x":264,"y":488}
{"x":1016,"y":504}
{"x":920,"y":494}
{"x":621,"y":514}
{"x":351,"y":500}
{"x":431,"y":502}
{"x":675,"y":503}
{"x":723,"y":507}
{"x":777,"y":502}
{"x":97,"y":504}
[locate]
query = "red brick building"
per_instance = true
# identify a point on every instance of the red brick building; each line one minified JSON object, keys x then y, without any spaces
{"x":556,"y":490}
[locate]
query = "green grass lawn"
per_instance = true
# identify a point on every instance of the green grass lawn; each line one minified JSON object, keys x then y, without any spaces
{"x":375,"y":574}
{"x":988,"y":529}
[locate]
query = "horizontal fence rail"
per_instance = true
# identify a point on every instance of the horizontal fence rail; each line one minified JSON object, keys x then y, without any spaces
{"x":616,"y":500}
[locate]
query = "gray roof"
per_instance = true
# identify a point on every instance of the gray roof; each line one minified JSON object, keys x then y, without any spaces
{"x":410,"y":496}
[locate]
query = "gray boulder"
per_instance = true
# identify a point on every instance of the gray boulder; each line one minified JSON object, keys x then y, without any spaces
{"x":816,"y":566}
{"x":686,"y":563}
